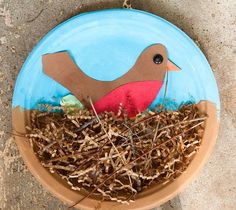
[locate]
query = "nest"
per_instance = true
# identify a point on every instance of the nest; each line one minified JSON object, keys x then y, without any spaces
{"x":111,"y":156}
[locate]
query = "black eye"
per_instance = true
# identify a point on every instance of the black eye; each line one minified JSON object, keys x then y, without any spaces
{"x":158,"y":59}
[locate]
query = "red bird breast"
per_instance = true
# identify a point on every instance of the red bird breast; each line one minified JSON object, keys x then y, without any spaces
{"x":134,"y":97}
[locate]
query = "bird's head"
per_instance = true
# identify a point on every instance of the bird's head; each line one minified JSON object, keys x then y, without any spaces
{"x":153,"y":62}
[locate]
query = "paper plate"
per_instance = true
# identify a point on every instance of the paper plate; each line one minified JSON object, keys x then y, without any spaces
{"x":106,"y":44}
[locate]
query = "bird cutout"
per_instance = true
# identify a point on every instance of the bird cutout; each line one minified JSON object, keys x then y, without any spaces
{"x":134,"y":91}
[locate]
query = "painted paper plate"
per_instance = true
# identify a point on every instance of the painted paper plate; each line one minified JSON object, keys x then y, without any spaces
{"x":105,"y":45}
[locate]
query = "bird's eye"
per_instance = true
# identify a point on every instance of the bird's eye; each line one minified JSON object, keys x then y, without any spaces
{"x":158,"y":59}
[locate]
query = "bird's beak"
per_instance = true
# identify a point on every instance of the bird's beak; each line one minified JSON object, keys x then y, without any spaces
{"x":172,"y":67}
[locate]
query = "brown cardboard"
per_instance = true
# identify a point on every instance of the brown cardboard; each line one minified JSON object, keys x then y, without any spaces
{"x":63,"y":69}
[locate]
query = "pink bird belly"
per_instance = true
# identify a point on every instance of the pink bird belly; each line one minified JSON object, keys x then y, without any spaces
{"x":135,"y":97}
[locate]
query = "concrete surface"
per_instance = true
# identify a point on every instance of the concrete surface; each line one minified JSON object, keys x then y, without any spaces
{"x":211,"y":23}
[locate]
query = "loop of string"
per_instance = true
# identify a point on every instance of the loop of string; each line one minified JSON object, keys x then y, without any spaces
{"x":127,"y":4}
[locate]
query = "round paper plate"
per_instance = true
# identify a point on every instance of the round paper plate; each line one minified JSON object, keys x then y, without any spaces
{"x":106,"y":44}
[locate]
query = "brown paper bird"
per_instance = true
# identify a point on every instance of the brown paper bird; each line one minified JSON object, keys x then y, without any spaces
{"x":134,"y":91}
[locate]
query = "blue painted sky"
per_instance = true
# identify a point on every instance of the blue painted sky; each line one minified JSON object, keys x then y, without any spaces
{"x":105,"y":44}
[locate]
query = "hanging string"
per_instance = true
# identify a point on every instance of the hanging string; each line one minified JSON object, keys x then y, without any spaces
{"x":127,"y":4}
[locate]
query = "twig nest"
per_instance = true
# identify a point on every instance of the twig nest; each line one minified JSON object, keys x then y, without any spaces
{"x":112,"y":156}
